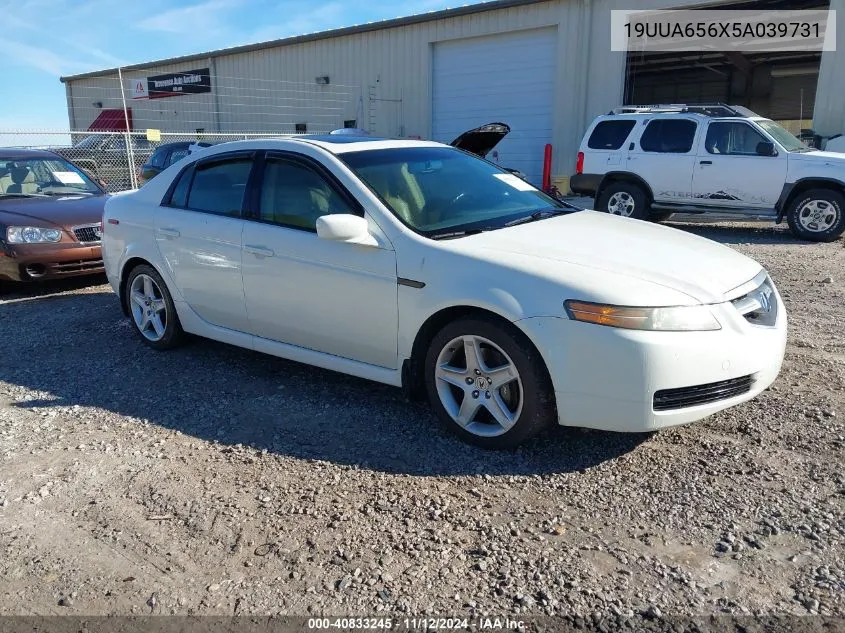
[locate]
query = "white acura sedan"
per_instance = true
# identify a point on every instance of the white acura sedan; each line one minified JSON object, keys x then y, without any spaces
{"x":419,"y":265}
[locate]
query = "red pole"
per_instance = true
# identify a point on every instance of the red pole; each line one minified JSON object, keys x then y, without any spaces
{"x":547,"y":168}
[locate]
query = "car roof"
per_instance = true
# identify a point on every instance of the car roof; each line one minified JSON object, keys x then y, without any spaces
{"x":333,"y":144}
{"x":15,"y":153}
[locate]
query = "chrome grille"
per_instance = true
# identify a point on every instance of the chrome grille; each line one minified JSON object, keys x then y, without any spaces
{"x":668,"y":399}
{"x":88,"y":233}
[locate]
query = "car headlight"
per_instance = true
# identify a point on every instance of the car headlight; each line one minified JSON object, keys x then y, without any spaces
{"x":31,"y":235}
{"x":672,"y":319}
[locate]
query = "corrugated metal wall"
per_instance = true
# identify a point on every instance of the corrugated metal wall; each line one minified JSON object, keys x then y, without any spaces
{"x":382,"y":78}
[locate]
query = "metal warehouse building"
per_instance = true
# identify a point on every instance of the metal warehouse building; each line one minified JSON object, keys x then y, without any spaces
{"x":544,"y":67}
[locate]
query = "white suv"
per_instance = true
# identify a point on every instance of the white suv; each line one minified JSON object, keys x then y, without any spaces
{"x":647,"y":162}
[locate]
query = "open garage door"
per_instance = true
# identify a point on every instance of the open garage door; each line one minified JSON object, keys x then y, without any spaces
{"x":508,"y":78}
{"x":781,"y":86}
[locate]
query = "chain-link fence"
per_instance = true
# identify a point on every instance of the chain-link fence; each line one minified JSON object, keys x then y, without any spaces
{"x":118,"y":161}
{"x":119,"y":121}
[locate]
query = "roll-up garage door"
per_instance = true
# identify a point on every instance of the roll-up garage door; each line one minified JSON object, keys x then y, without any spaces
{"x":506,"y":78}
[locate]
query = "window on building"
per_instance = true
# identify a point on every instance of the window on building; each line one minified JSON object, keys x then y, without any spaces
{"x":668,"y":136}
{"x":301,"y":128}
{"x":218,"y":186}
{"x":294,"y":195}
{"x":733,"y":139}
{"x":610,"y":134}
{"x":350,"y":123}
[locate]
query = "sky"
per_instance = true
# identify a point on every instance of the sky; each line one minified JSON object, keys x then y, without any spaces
{"x":41,"y":40}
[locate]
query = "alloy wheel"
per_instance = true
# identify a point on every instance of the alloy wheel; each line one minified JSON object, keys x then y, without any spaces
{"x":479,"y":386}
{"x":817,"y":216}
{"x":621,"y":203}
{"x":149,"y":309}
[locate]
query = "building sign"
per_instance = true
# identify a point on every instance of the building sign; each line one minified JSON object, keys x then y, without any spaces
{"x":172,"y":84}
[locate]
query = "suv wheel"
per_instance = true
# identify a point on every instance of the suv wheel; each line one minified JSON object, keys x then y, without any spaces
{"x":626,"y":199}
{"x":817,"y":215}
{"x":487,"y":383}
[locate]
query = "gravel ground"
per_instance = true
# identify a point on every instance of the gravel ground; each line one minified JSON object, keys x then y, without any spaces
{"x":214,"y":480}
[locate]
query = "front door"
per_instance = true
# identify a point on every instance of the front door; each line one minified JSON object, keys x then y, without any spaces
{"x":730,"y":173}
{"x":199,"y":236}
{"x":327,"y":296}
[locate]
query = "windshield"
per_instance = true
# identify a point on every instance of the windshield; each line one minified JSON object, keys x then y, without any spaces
{"x":46,"y":176}
{"x":438,"y":189}
{"x":789,"y":142}
{"x":90,"y":142}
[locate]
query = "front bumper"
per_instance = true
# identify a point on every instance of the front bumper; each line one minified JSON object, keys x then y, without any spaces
{"x":606,"y":378}
{"x":35,"y":262}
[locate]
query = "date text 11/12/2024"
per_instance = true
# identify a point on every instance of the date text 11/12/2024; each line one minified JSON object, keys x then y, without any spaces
{"x":413,"y":624}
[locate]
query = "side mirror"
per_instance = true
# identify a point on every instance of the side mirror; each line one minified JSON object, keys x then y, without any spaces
{"x":345,"y":227}
{"x":766,"y":148}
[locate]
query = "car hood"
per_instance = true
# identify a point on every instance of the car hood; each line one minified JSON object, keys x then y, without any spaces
{"x":700,"y":268}
{"x":482,"y":140}
{"x":817,"y":155}
{"x":64,"y":211}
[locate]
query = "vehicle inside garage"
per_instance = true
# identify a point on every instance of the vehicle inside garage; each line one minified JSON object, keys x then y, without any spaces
{"x":778,"y":85}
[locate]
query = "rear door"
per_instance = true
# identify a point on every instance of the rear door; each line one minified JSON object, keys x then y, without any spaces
{"x":198,"y":233}
{"x":730,"y":173}
{"x":664,"y":156}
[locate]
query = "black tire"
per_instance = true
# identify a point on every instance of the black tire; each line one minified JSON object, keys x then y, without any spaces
{"x":660,"y":216}
{"x":830,"y":201}
{"x":174,"y":335}
{"x":636,"y":194}
{"x":537,"y":411}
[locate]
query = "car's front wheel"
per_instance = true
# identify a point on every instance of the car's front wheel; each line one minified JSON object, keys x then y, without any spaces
{"x":151,"y":309}
{"x":817,"y":215}
{"x":487,"y":383}
{"x":626,"y":199}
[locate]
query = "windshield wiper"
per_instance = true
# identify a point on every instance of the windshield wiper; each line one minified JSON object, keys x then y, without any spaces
{"x":448,"y":235}
{"x":23,"y":195}
{"x":542,"y":214}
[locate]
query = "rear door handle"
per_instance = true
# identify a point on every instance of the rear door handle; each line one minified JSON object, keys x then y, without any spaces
{"x":705,"y":162}
{"x":171,"y":233}
{"x":258,"y":251}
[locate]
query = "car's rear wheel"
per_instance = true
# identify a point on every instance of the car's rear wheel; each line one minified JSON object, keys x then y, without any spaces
{"x":626,"y":199}
{"x":817,"y":215}
{"x":151,"y":309}
{"x":487,"y":383}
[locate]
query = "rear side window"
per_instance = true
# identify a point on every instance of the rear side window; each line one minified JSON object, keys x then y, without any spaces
{"x":177,"y":155}
{"x":668,"y":136}
{"x":610,"y":134}
{"x":218,"y":187}
{"x":157,"y":159}
{"x":179,"y":196}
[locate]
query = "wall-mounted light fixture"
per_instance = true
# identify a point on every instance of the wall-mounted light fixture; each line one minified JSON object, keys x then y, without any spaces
{"x":322,"y":80}
{"x":98,"y":104}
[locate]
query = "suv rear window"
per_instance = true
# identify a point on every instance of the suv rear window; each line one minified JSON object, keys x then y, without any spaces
{"x":610,"y":134}
{"x":668,"y":136}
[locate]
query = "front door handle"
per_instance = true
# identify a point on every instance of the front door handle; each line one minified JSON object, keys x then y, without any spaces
{"x":705,"y":162}
{"x":259,"y":251}
{"x":170,"y":233}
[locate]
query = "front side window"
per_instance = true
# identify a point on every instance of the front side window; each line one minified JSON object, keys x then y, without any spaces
{"x":435,"y":190}
{"x":610,"y":134}
{"x":219,"y":186}
{"x":44,"y":176}
{"x":294,"y":195}
{"x":668,"y":136}
{"x":733,"y":139}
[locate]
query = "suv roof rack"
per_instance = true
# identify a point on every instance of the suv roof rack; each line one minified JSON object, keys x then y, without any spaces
{"x":707,"y":109}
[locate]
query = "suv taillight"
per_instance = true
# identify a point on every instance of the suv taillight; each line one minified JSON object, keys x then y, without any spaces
{"x":579,"y":165}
